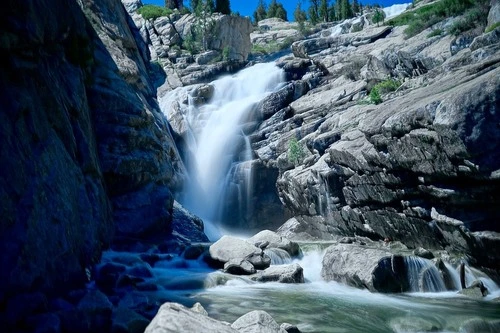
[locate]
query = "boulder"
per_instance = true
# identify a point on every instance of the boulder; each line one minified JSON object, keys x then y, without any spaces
{"x":274,"y":240}
{"x":257,"y":322}
{"x":174,"y":317}
{"x":363,"y":267}
{"x":423,"y":253}
{"x":229,"y":247}
{"x":127,"y":320}
{"x":289,"y":328}
{"x":292,"y":273}
{"x":239,"y":267}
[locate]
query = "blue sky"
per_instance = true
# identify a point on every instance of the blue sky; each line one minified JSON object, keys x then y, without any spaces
{"x":247,"y":7}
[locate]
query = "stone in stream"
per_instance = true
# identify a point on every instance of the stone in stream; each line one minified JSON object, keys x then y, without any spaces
{"x":174,"y":317}
{"x":229,"y":247}
{"x":274,"y":240}
{"x":239,"y":267}
{"x":289,"y":328}
{"x":282,"y":273}
{"x":479,"y":325}
{"x":362,"y":267}
{"x":257,"y":322}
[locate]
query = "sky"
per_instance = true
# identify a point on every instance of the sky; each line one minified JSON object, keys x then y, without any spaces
{"x":247,"y":7}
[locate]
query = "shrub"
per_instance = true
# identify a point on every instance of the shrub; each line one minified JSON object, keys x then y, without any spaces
{"x":492,"y":27}
{"x":383,"y":88}
{"x":226,"y":52}
{"x":296,"y":151}
{"x":153,"y":11}
{"x":426,"y":16}
{"x":435,"y":32}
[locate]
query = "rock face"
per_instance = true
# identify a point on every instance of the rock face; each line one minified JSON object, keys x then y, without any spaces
{"x":421,"y":167}
{"x":87,"y":152}
{"x":164,"y":38}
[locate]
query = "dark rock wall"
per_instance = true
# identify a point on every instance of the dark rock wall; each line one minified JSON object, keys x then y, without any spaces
{"x":85,"y":151}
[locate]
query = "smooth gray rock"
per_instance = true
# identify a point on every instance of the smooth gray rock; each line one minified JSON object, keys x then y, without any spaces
{"x":362,"y":267}
{"x":257,"y":321}
{"x":176,"y":318}
{"x":290,"y":328}
{"x":494,"y":13}
{"x":480,"y":326}
{"x":229,"y":247}
{"x":239,"y":267}
{"x":292,"y":273}
{"x":275,"y":241}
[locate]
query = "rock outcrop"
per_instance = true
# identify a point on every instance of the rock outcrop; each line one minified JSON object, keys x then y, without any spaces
{"x":87,"y":154}
{"x":420,"y":167}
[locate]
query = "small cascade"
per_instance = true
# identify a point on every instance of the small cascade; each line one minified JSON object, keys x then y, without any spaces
{"x":278,"y":256}
{"x":453,"y":275}
{"x":472,"y":275}
{"x":395,"y":10}
{"x":423,"y":276}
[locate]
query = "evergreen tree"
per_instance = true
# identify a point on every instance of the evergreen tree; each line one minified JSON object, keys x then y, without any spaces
{"x":271,"y":10}
{"x":332,"y":13}
{"x":314,"y":11}
{"x":260,"y":12}
{"x":281,"y":12}
{"x":345,"y":10}
{"x":323,"y":11}
{"x":223,"y":7}
{"x":355,"y":7}
{"x":172,"y":4}
{"x":194,"y":5}
{"x":299,"y":15}
{"x":378,"y":16}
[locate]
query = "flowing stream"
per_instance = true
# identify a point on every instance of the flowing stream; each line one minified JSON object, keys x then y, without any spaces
{"x":216,"y":136}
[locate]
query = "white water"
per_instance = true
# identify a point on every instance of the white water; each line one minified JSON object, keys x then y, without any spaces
{"x":423,"y":275}
{"x":395,"y":10}
{"x":215,"y":133}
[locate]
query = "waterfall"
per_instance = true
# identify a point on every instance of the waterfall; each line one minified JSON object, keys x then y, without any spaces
{"x":423,"y":275}
{"x":215,"y":135}
{"x":278,"y":256}
{"x":395,"y":10}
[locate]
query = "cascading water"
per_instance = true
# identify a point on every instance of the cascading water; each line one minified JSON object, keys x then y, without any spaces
{"x":423,"y":275}
{"x":218,"y":138}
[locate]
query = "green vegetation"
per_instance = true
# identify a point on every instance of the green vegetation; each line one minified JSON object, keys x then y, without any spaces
{"x":153,"y":12}
{"x":378,"y":16}
{"x":426,"y":16}
{"x":383,"y":88}
{"x":272,"y":46}
{"x":435,"y":32}
{"x":296,"y":151}
{"x":226,"y":52}
{"x":473,"y":18}
{"x":492,"y":27}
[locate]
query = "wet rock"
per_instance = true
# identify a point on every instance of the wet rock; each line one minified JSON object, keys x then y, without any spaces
{"x":229,"y":247}
{"x":307,"y":228}
{"x":194,"y":251}
{"x":239,"y":267}
{"x":257,"y":322}
{"x":475,"y":290}
{"x":44,"y":323}
{"x":274,"y":240}
{"x":197,"y":307}
{"x":480,"y":326}
{"x":173,"y":317}
{"x":290,"y":328}
{"x":128,"y":321}
{"x":423,"y":253}
{"x":187,"y":224}
{"x":281,"y":273}
{"x":362,"y":267}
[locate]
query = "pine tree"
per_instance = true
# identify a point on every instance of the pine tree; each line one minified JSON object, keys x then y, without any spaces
{"x":271,"y":10}
{"x":194,"y":5}
{"x":323,"y":11}
{"x":345,"y":10}
{"x":281,"y":12}
{"x":378,"y":16}
{"x":172,"y":4}
{"x":314,"y":11}
{"x":223,"y":7}
{"x":355,"y":7}
{"x":260,"y":12}
{"x":299,"y":15}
